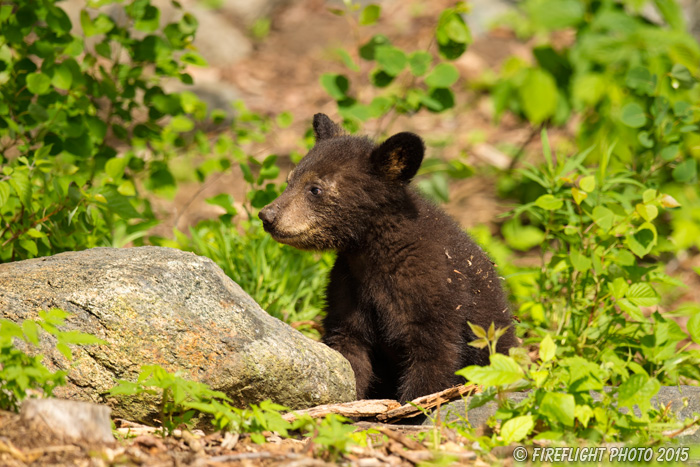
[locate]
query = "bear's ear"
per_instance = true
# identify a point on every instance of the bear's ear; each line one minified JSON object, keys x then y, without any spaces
{"x":399,"y":157}
{"x":324,"y":128}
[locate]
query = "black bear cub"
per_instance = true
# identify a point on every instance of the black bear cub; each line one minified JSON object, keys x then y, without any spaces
{"x":407,"y":279}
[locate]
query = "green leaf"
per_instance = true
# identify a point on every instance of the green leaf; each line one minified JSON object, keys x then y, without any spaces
{"x":638,"y":390}
{"x":391,"y":59}
{"x":370,"y":14}
{"x":694,"y":327}
{"x":642,"y":294}
{"x":587,"y":183}
{"x":647,"y":211}
{"x":633,"y":115}
{"x":669,"y":153}
{"x":347,"y":59}
{"x":522,"y":237}
{"x":549,"y":202}
{"x":682,"y":76}
{"x":686,"y":171}
{"x":517,"y":428}
{"x":672,"y":13}
{"x":194,"y":58}
{"x":556,"y":14}
{"x":335,"y":85}
{"x":583,"y":413}
{"x":443,"y":75}
{"x":548,"y":349}
{"x":368,"y":50}
{"x":38,"y":83}
{"x":503,"y":370}
{"x":640,"y":79}
{"x":31,"y":331}
{"x":619,"y":287}
{"x":284,"y":119}
{"x":559,"y":406}
{"x":181,"y":124}
{"x":62,"y":77}
{"x":603,"y":217}
{"x":115,"y":167}
{"x":19,"y":181}
{"x":419,"y":62}
{"x":579,"y":261}
{"x":539,"y":96}
{"x":4,"y":193}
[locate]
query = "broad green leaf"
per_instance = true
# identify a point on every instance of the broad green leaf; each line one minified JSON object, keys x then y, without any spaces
{"x":503,"y":370}
{"x":335,"y":85}
{"x":583,"y":413}
{"x":642,"y":294}
{"x":549,"y":202}
{"x":559,"y":406}
{"x":556,"y":14}
{"x":31,"y":331}
{"x":633,"y":115}
{"x":579,"y":261}
{"x":391,"y":59}
{"x":669,"y":153}
{"x":194,"y":58}
{"x":578,"y":195}
{"x":521,"y":237}
{"x":682,"y":76}
{"x":38,"y":83}
{"x":517,"y":428}
{"x":548,"y":349}
{"x":4,"y":193}
{"x":649,"y":195}
{"x":647,"y":211}
{"x":443,"y":75}
{"x":370,"y":14}
{"x":587,"y":183}
{"x":347,"y":59}
{"x":115,"y":167}
{"x":419,"y":62}
{"x":638,"y":390}
{"x":539,"y":96}
{"x":640,"y":79}
{"x":62,"y":77}
{"x":686,"y":171}
{"x":694,"y":327}
{"x":284,"y":119}
{"x":619,"y":287}
{"x":181,"y":124}
{"x":603,"y":217}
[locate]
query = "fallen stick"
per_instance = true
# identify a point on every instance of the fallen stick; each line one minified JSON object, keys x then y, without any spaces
{"x":355,"y":409}
{"x":384,"y":409}
{"x":414,"y":407}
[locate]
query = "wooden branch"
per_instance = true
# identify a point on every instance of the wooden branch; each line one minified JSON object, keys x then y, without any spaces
{"x":355,"y":409}
{"x":426,"y":402}
{"x":384,"y":409}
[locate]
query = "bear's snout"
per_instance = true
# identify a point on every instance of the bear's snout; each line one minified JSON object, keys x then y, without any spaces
{"x":267,"y":216}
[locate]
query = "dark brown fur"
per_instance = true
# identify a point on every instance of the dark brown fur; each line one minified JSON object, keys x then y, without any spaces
{"x":406,"y":280}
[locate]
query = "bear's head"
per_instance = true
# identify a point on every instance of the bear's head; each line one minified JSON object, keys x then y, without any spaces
{"x":341,"y":187}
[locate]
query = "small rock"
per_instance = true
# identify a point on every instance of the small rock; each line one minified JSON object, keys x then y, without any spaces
{"x":79,"y":421}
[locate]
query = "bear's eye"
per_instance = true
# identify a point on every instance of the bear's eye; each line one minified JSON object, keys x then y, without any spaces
{"x":316,"y":191}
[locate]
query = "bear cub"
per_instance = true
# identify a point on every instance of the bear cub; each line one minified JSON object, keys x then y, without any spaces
{"x":407,"y":280}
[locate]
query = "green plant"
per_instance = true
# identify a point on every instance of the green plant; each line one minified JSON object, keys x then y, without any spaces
{"x":402,"y":82}
{"x":182,"y":400}
{"x":570,"y":399}
{"x":21,"y":373}
{"x":82,"y":126}
{"x":596,"y":284}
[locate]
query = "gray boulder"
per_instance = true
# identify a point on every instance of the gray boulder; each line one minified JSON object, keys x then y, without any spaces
{"x":163,"y":306}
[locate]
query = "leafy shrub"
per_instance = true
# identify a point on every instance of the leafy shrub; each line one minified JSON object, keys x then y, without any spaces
{"x":181,"y":400}
{"x":21,"y":373}
{"x":68,"y":113}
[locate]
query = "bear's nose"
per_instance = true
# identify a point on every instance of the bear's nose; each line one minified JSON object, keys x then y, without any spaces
{"x":267,"y":215}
